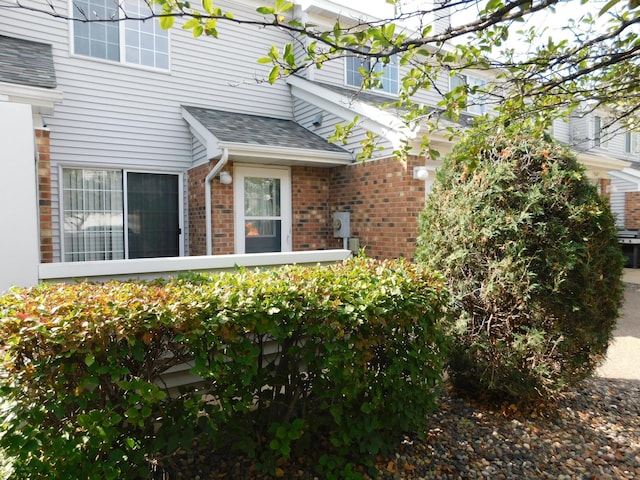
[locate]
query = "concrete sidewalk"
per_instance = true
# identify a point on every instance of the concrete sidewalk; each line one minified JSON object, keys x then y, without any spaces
{"x":623,"y":357}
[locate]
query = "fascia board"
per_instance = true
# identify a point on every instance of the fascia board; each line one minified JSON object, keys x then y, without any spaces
{"x":41,"y":99}
{"x":334,"y":9}
{"x":202,"y":133}
{"x":371,"y":118}
{"x":627,"y":175}
{"x":270,"y":152}
{"x":602,"y":162}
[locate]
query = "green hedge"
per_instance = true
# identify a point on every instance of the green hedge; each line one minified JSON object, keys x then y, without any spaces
{"x":530,"y":253}
{"x":349,"y":354}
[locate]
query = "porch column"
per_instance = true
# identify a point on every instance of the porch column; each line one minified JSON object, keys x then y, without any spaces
{"x":19,"y":256}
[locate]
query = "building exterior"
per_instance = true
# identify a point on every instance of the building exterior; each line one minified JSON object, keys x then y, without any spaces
{"x":125,"y":144}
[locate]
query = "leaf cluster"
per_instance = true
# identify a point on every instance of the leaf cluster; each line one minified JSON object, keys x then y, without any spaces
{"x":349,"y":356}
{"x":530,"y":252}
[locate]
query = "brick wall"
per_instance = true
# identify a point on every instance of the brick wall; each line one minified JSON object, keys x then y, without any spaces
{"x":632,"y":210}
{"x":44,"y":195}
{"x":384,"y":200}
{"x":311,"y":212}
{"x":382,"y":196}
{"x":222,"y":213}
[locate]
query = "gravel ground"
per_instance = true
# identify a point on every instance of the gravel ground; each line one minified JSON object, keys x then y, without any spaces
{"x":592,"y":434}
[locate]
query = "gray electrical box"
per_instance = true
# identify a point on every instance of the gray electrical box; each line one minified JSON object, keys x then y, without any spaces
{"x":342,"y":224}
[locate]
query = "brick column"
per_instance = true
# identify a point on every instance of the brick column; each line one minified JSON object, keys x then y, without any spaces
{"x":221,"y":209}
{"x":632,"y":210}
{"x":44,"y":195}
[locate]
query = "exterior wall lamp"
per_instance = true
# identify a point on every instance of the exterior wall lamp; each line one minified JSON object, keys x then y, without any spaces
{"x":225,"y":178}
{"x":422,"y":173}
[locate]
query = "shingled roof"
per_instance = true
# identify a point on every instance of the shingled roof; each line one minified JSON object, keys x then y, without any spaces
{"x":258,"y":130}
{"x":26,"y":63}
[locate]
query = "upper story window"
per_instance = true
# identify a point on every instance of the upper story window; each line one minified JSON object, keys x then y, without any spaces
{"x":388,"y":80}
{"x":599,"y":132}
{"x":131,"y":41}
{"x":475,"y":98}
{"x":631,"y":143}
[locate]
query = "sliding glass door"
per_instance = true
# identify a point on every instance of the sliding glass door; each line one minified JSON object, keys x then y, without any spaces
{"x":99,"y":206}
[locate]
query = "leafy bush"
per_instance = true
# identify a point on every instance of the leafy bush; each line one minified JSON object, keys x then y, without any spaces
{"x":530,"y":252}
{"x":351,"y":354}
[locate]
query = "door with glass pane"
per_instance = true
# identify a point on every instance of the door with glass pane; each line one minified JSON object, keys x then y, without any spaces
{"x":262,"y":210}
{"x":153,"y":220}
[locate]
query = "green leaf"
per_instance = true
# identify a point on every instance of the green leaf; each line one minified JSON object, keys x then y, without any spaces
{"x":89,"y":360}
{"x":208,"y":6}
{"x":273,"y":75}
{"x":166,"y":21}
{"x":266,"y":10}
{"x":191,"y":23}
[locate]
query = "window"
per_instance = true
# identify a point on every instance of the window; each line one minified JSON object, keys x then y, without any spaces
{"x":600,"y":139}
{"x":631,"y":144}
{"x":263,"y":210}
{"x":387,"y":81}
{"x":475,"y":96}
{"x":99,"y":206}
{"x":131,"y":41}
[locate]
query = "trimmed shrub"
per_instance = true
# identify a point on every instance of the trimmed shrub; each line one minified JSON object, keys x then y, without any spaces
{"x":530,"y":253}
{"x":350,"y":354}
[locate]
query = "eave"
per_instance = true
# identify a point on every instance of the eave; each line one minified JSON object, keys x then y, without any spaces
{"x":42,"y":100}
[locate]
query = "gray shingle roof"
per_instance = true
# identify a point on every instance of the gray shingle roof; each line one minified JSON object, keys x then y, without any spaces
{"x":258,"y":130}
{"x":26,"y":63}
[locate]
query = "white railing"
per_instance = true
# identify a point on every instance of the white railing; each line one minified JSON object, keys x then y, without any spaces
{"x":149,"y":268}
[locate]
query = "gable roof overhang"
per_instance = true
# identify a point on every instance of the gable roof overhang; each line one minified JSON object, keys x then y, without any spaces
{"x":277,"y":141}
{"x":630,"y":175}
{"x":599,"y":166}
{"x":348,"y":107}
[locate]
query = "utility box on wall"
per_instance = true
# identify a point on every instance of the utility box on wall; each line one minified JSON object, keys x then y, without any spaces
{"x":342,"y":224}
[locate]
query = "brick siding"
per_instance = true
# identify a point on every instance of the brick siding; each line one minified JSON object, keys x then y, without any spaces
{"x":44,"y":195}
{"x":382,"y":196}
{"x":311,"y":212}
{"x":632,"y":210}
{"x":385,"y":201}
{"x":222,"y":213}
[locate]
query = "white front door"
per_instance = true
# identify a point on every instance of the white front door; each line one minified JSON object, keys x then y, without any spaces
{"x":262,"y":206}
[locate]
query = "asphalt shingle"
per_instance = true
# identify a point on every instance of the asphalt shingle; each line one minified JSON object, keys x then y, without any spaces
{"x":26,"y":63}
{"x":258,"y":130}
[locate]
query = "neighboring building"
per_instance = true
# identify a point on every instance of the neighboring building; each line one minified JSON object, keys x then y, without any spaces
{"x":153,"y":144}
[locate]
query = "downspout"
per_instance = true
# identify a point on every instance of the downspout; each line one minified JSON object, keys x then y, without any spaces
{"x":224,"y":157}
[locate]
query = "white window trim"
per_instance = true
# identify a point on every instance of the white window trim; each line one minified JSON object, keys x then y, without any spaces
{"x":376,"y":90}
{"x":634,"y":143}
{"x":481,"y":106}
{"x":286,"y":208}
{"x":602,"y":136}
{"x":121,"y":37}
{"x":124,"y":171}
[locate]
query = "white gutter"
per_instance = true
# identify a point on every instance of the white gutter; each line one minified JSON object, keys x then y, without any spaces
{"x":288,"y":155}
{"x":224,"y":158}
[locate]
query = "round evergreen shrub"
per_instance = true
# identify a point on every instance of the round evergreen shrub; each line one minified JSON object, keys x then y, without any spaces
{"x":530,"y":251}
